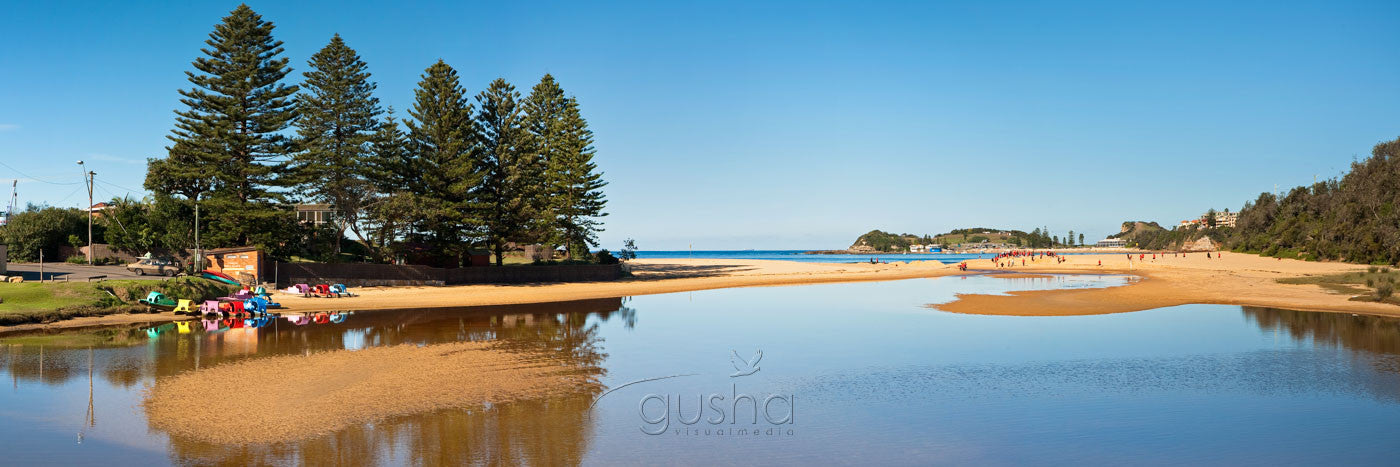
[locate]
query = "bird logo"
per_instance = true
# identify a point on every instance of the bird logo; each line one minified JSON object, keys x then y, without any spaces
{"x":744,"y":367}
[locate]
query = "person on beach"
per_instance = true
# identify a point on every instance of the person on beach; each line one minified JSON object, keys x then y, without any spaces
{"x":1100,"y":263}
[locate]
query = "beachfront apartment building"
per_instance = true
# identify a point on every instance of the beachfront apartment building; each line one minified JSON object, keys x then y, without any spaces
{"x":1222,"y":219}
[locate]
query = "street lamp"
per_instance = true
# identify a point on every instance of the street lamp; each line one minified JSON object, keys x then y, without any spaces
{"x":87,"y":178}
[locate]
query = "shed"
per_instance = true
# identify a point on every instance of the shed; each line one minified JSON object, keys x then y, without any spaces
{"x":247,"y":264}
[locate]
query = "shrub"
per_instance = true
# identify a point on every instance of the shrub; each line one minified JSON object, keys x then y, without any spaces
{"x":1383,"y":291}
{"x":1370,"y":282}
{"x":1385,"y":270}
{"x":606,"y":257}
{"x":1372,"y":269}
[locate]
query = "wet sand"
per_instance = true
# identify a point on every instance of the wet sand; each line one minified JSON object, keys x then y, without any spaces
{"x":292,"y":398}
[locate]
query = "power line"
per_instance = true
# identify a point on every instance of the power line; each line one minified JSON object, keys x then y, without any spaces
{"x":31,"y":177}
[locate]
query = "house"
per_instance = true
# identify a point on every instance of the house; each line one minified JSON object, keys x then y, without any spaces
{"x":247,"y":264}
{"x":99,"y":209}
{"x":1111,"y":243}
{"x":916,"y":248}
{"x":315,"y":214}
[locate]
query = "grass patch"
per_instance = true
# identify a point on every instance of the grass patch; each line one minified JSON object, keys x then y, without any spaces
{"x":33,"y":302}
{"x":1373,"y":285}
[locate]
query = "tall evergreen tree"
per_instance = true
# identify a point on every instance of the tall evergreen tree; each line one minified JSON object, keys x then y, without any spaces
{"x":576,"y":185}
{"x":545,"y":120}
{"x":339,"y":119}
{"x":514,"y":173}
{"x":392,"y":171}
{"x":230,"y":140}
{"x":442,"y":141}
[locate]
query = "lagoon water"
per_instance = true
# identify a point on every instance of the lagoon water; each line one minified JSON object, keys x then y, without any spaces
{"x":860,"y":373}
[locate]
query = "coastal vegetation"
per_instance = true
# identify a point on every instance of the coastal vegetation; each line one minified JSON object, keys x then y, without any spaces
{"x":880,"y":241}
{"x":1374,"y":284}
{"x":1355,"y":218}
{"x":460,"y":174}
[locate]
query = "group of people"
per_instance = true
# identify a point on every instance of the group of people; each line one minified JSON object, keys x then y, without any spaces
{"x":1009,"y":258}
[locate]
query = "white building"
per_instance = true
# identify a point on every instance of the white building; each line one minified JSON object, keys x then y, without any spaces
{"x":1111,"y":243}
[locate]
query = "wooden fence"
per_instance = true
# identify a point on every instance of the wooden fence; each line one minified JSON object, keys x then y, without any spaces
{"x":373,"y":275}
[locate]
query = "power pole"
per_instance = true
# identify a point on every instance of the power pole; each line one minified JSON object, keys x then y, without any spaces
{"x":198,"y":255}
{"x":87,"y":178}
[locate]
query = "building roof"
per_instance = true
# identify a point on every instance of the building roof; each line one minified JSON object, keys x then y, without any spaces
{"x":236,"y":249}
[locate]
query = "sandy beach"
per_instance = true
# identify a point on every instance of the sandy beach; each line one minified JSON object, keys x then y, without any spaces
{"x":1235,"y":279}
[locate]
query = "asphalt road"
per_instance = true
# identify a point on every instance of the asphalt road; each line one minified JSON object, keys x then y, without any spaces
{"x":72,"y":272}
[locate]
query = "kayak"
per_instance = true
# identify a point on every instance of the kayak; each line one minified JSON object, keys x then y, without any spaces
{"x":219,"y":277}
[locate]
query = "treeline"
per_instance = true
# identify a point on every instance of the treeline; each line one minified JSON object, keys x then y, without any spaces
{"x":1355,"y":219}
{"x":460,"y":173}
{"x":1037,"y":238}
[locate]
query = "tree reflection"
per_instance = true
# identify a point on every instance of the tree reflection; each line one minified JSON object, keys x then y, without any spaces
{"x":554,"y":430}
{"x":1372,"y":334}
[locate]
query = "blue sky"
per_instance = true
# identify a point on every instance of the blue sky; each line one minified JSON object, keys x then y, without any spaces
{"x":792,"y":124}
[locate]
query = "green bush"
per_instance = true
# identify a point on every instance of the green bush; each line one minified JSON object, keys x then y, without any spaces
{"x":606,"y":257}
{"x":1372,"y":269}
{"x":1384,"y":291}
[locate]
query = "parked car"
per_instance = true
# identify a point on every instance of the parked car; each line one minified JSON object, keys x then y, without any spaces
{"x":154,"y":266}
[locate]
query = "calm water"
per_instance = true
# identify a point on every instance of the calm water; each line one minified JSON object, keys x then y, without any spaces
{"x":859,"y":373}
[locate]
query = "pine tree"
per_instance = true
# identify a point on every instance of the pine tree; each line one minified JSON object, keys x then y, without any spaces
{"x":230,"y":140}
{"x":545,"y":120}
{"x":514,"y":173}
{"x":442,"y":142}
{"x":337,"y":125}
{"x":577,"y":185}
{"x":390,"y":211}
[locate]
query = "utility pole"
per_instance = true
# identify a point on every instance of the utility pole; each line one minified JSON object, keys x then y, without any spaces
{"x":87,"y":178}
{"x":198,"y":255}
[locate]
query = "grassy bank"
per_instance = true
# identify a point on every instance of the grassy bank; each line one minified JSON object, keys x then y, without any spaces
{"x":1375,"y":284}
{"x":32,"y":302}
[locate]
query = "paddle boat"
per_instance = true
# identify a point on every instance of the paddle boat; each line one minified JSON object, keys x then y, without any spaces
{"x":159,"y":301}
{"x":219,"y":277}
{"x":340,"y":290}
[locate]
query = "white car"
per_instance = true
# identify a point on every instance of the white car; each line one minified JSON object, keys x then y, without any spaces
{"x":154,"y":266}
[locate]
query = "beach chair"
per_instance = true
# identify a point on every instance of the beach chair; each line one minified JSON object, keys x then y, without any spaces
{"x":184,"y":306}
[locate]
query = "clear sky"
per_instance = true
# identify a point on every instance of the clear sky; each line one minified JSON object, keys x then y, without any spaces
{"x":791,"y":125}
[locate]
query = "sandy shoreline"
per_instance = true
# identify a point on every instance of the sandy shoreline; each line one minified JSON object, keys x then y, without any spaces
{"x":1235,"y":279}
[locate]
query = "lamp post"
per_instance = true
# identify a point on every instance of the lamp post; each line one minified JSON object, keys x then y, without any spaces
{"x":87,"y":178}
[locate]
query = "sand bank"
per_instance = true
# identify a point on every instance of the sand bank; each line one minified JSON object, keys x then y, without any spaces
{"x":289,"y":398}
{"x":1235,"y":279}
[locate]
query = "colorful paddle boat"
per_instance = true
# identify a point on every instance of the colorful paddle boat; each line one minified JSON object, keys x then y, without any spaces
{"x":159,"y":301}
{"x":340,"y":290}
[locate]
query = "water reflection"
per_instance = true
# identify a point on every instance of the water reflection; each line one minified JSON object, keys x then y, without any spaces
{"x":554,"y":430}
{"x":1364,"y":333}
